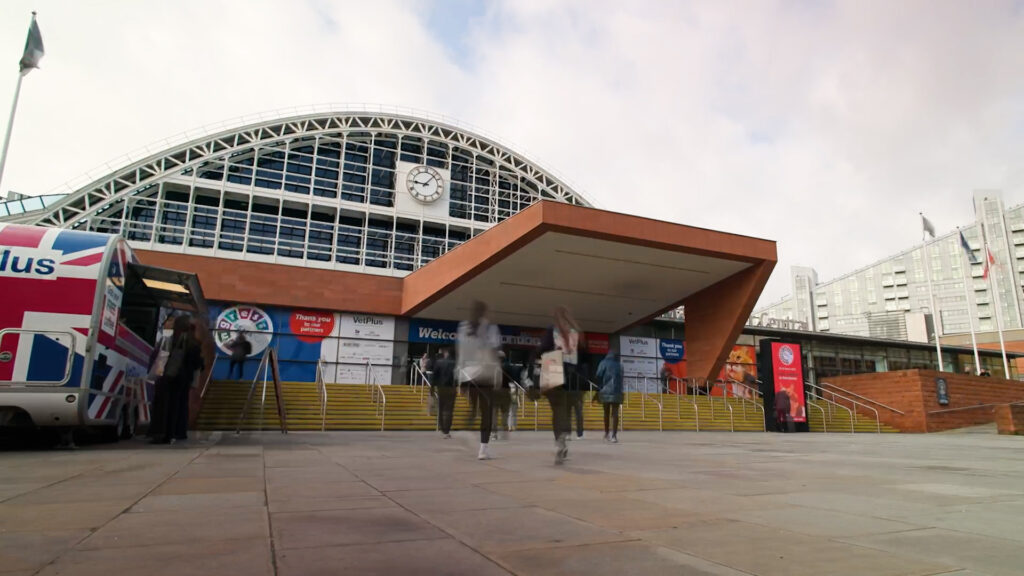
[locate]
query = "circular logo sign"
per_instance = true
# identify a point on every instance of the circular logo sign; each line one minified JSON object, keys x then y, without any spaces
{"x":786,"y":355}
{"x":311,"y":326}
{"x":257,"y":325}
{"x":6,"y":356}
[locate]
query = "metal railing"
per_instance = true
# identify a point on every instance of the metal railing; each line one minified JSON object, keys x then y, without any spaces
{"x":209,"y":377}
{"x":645,"y":395}
{"x":810,"y":392}
{"x":853,"y":411}
{"x":851,"y":394}
{"x":744,"y":400}
{"x":417,"y":377}
{"x":682,"y":384}
{"x":520,"y":391}
{"x":264,"y":366}
{"x":322,"y":388}
{"x":377,"y":396}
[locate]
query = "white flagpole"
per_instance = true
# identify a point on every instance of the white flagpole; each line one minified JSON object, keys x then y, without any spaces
{"x":967,"y":302}
{"x":995,"y":295}
{"x":931,"y":296}
{"x":10,"y":125}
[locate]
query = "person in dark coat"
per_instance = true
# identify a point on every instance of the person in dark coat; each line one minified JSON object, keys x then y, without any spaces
{"x":183,"y":361}
{"x":240,"y":350}
{"x":443,"y":381}
{"x":782,"y":407}
{"x":609,"y":374}
{"x":564,"y":336}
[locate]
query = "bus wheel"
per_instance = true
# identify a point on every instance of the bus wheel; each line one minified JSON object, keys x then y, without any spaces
{"x":126,"y":424}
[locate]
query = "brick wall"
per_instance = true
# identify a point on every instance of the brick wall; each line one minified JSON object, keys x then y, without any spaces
{"x":1010,"y":418}
{"x":914,"y":393}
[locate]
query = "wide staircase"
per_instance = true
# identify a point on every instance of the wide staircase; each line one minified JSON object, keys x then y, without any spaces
{"x":824,"y":416}
{"x":360,"y":407}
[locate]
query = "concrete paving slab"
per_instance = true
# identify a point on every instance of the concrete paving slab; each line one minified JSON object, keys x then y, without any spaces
{"x":8,"y":491}
{"x":994,"y":556}
{"x":323,"y":504}
{"x":35,"y":517}
{"x":278,"y":458}
{"x":320,"y":474}
{"x":250,"y":557}
{"x":817,"y":522}
{"x":519,"y":528}
{"x":622,"y":514}
{"x":443,"y":557}
{"x":33,"y":550}
{"x":213,"y":501}
{"x":180,"y":527}
{"x":210,"y":485}
{"x":320,"y":490}
{"x":230,"y":470}
{"x":339,"y":527}
{"x":703,"y":501}
{"x":772,"y":552}
{"x":452,"y":500}
{"x":612,"y":559}
{"x":82,"y":491}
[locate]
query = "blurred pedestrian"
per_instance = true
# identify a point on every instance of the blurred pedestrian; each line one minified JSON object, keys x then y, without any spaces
{"x":240,"y":349}
{"x":183,"y":361}
{"x":478,"y":367}
{"x":444,"y":386}
{"x":609,"y":374}
{"x":567,"y":334}
{"x":562,"y":336}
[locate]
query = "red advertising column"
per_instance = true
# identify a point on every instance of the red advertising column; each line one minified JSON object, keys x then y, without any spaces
{"x":789,"y":377}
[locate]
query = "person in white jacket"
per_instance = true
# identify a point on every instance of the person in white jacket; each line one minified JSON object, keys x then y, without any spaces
{"x":478,"y":367}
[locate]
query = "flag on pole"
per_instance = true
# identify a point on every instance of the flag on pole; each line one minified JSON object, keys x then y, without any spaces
{"x":967,"y":248}
{"x":990,"y":263}
{"x":33,"y":48}
{"x":928,"y":227}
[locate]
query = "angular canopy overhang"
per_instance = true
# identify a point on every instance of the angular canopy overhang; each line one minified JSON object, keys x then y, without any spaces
{"x":157,"y":286}
{"x":611,"y":270}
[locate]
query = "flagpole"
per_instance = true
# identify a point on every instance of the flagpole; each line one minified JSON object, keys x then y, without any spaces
{"x":995,"y":295}
{"x":931,"y":295}
{"x":10,"y":126}
{"x":967,"y":302}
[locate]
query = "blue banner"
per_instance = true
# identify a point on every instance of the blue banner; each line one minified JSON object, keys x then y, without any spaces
{"x":432,"y":331}
{"x":671,"y":351}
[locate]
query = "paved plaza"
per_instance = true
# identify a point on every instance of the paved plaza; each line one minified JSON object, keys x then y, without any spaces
{"x":412,"y":503}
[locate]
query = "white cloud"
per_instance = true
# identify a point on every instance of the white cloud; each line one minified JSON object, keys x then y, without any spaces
{"x":826,"y":127}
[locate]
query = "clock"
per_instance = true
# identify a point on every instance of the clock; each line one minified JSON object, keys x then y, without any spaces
{"x":425,"y":184}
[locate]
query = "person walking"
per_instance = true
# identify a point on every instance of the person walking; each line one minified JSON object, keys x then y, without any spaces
{"x":560,"y":336}
{"x":609,"y":374}
{"x":782,"y":407}
{"x":183,"y":360}
{"x":443,"y":382}
{"x":478,"y":341}
{"x":240,"y":349}
{"x":567,"y":334}
{"x":502,"y":400}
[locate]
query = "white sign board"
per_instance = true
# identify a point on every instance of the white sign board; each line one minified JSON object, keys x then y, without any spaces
{"x":638,"y":346}
{"x":640,"y":367}
{"x":361,"y":351}
{"x":367,"y":326}
{"x":111,"y":308}
{"x":355,"y":374}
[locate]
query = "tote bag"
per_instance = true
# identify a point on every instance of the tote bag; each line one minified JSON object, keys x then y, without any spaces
{"x":552,"y":372}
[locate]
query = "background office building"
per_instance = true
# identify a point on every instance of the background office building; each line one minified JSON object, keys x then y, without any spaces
{"x":889,"y":299}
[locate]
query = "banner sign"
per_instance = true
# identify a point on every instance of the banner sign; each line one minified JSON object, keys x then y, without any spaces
{"x":597,"y":343}
{"x":311,"y":326}
{"x":639,"y":367}
{"x":432,"y":331}
{"x":516,"y":337}
{"x":367,"y":326}
{"x":670,"y":350}
{"x":789,"y":377}
{"x":638,"y":346}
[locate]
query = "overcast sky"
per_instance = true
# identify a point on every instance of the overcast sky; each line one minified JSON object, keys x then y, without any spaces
{"x":826,"y":126}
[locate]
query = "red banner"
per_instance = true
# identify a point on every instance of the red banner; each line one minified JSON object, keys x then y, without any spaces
{"x":789,"y":377}
{"x":596,"y":343}
{"x":311,"y":326}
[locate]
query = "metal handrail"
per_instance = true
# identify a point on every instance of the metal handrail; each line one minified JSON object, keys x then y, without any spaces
{"x":263,"y":365}
{"x":824,"y":420}
{"x":679,"y":413}
{"x":755,"y":404}
{"x":209,"y":376}
{"x":422,"y":381}
{"x":815,"y":395}
{"x":381,"y":406}
{"x":521,"y":392}
{"x":976,"y":406}
{"x":645,"y":395}
{"x":322,"y":384}
{"x":853,"y":412}
{"x":854,"y":394}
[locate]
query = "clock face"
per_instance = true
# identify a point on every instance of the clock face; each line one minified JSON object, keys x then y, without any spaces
{"x":425,"y":184}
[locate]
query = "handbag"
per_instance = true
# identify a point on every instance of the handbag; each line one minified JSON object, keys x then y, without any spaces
{"x":160,"y":360}
{"x":552,"y":371}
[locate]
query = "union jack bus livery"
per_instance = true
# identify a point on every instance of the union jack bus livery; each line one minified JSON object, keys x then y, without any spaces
{"x":72,"y":352}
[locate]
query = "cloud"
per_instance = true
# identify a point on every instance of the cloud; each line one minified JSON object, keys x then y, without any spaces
{"x":824,"y":126}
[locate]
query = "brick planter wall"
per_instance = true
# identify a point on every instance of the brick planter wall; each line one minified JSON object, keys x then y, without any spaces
{"x":1010,"y":418}
{"x":914,"y":393}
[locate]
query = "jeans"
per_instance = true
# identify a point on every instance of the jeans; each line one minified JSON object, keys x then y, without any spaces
{"x":557,"y":398}
{"x":611,"y":419}
{"x":485,"y":401}
{"x":445,"y":408}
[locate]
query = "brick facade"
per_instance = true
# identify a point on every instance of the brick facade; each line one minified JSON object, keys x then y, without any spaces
{"x":914,"y":393}
{"x":1010,"y":418}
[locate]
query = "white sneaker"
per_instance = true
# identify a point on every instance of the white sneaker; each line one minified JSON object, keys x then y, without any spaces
{"x":615,"y":440}
{"x":581,"y":436}
{"x":447,"y":436}
{"x":485,"y":453}
{"x":562,"y":452}
{"x":607,"y":438}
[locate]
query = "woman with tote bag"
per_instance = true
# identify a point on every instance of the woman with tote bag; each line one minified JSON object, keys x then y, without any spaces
{"x":478,"y":367}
